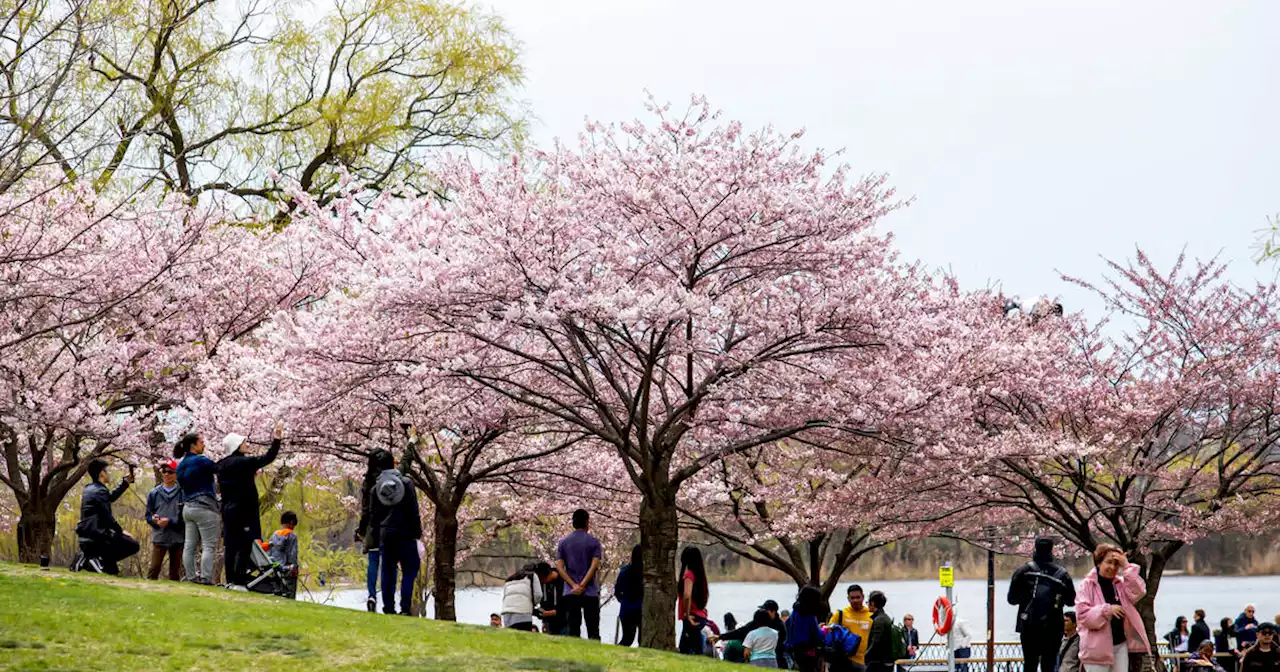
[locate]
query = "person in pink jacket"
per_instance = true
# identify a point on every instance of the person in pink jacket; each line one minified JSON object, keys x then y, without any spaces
{"x":1110,"y":627}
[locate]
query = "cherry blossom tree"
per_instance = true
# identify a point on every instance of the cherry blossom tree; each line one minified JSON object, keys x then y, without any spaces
{"x":811,"y":506}
{"x":1161,"y":430}
{"x":682,"y":294}
{"x":356,"y":372}
{"x":107,"y":309}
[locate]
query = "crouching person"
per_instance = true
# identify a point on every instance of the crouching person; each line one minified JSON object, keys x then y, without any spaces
{"x":103,"y":543}
{"x":283,"y":549}
{"x":521,"y":595}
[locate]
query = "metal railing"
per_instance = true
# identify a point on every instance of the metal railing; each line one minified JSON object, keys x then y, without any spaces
{"x":1008,"y":657}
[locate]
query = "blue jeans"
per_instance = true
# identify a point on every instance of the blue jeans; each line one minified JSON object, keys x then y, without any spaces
{"x":965,"y":652}
{"x":399,"y":554}
{"x":371,"y":575}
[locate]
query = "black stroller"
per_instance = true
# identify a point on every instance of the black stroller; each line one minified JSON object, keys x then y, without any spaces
{"x":266,"y":576}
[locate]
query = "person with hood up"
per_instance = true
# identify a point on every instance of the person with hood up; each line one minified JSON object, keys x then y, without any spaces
{"x":241,"y":519}
{"x":395,"y":519}
{"x":1040,"y":589}
{"x":1110,"y":628}
{"x":103,"y":543}
{"x":164,"y":515}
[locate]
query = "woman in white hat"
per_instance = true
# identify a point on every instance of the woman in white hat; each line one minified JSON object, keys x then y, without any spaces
{"x":241,"y":524}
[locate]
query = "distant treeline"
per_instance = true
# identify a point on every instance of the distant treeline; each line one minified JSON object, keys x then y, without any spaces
{"x":920,"y":559}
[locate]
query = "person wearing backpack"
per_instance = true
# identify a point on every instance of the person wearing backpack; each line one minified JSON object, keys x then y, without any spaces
{"x":883,"y":640}
{"x":398,"y":526}
{"x":902,"y":637}
{"x":1040,"y":589}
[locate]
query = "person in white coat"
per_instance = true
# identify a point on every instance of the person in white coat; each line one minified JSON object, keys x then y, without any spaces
{"x":521,"y":595}
{"x":963,"y":640}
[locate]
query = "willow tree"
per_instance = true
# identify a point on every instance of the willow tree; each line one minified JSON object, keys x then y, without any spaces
{"x":205,"y":101}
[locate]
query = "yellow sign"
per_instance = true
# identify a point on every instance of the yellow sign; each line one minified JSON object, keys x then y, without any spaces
{"x":947,"y":577}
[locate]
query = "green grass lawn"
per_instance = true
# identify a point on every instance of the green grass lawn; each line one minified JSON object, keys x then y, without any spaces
{"x":56,"y":620}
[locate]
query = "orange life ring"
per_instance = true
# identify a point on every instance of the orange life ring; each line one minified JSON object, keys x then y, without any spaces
{"x":943,"y":616}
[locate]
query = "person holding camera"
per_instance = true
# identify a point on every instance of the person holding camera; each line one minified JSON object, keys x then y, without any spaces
{"x":103,"y":543}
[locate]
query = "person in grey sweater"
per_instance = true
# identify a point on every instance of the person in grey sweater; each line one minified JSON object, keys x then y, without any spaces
{"x":164,"y":515}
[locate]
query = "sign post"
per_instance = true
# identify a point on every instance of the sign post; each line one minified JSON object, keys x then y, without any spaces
{"x":947,"y":577}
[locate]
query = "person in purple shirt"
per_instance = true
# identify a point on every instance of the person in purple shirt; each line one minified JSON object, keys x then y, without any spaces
{"x":578,"y":558}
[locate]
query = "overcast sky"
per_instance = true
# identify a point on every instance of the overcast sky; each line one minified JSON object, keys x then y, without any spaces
{"x":1034,"y":140}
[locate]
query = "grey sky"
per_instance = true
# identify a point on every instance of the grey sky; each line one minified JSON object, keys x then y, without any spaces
{"x":1033,"y":139}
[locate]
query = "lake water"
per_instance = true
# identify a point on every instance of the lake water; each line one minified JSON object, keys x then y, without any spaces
{"x":1179,"y":595}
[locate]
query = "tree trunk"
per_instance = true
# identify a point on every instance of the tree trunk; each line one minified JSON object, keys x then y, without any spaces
{"x":815,"y":561}
{"x":1154,"y":571}
{"x":37,"y":525}
{"x":659,"y":540}
{"x":443,"y":567}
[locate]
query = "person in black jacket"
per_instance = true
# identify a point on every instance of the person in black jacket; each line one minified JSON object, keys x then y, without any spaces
{"x":1200,"y":632}
{"x":103,"y":543}
{"x":366,"y":533}
{"x":880,"y":639}
{"x":775,"y":622}
{"x":241,"y":520}
{"x":397,"y":522}
{"x":551,"y":612}
{"x":1040,"y":588}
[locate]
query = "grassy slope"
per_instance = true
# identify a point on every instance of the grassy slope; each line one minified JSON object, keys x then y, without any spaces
{"x":56,"y":620}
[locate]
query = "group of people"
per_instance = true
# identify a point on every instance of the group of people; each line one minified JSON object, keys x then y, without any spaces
{"x":565,"y":596}
{"x":1105,"y":633}
{"x":1214,"y":649}
{"x":197,"y":502}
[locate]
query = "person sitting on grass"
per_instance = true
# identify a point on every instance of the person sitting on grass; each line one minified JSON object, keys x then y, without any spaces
{"x":103,"y":543}
{"x":283,"y":549}
{"x":760,"y":646}
{"x":495,"y":621}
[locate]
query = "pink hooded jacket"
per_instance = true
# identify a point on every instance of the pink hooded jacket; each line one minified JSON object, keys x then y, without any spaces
{"x":1094,"y":616}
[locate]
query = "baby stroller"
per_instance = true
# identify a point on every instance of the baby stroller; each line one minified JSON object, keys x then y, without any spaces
{"x":266,"y":576}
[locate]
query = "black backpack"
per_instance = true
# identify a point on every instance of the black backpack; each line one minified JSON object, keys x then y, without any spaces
{"x":1046,"y":595}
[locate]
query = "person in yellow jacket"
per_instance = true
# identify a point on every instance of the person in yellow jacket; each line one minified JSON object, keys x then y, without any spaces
{"x":856,"y":618}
